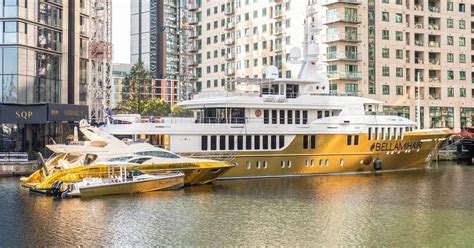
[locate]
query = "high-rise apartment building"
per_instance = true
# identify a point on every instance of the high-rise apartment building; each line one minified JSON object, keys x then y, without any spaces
{"x":382,"y":48}
{"x":45,"y":69}
{"x":231,"y":39}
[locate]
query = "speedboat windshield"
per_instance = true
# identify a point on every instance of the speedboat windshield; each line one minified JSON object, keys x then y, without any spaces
{"x":159,"y":154}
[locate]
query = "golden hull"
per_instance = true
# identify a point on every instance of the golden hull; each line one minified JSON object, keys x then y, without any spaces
{"x":133,"y":187}
{"x":195,"y":173}
{"x":333,"y":155}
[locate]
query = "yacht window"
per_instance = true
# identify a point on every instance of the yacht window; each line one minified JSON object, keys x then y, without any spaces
{"x":356,"y":140}
{"x":383,"y":133}
{"x":281,"y":141}
{"x":376,"y":133}
{"x":290,"y":117}
{"x":389,"y":133}
{"x":248,"y":142}
{"x":266,"y":117}
{"x":349,"y":140}
{"x":273,"y":141}
{"x":222,"y":142}
{"x":274,"y":116}
{"x":160,"y":154}
{"x":395,"y":137}
{"x":213,"y":142}
{"x":120,"y":159}
{"x":370,"y":133}
{"x":282,"y":116}
{"x":240,"y":142}
{"x":237,"y":115}
{"x":297,"y":117}
{"x":320,"y":114}
{"x":327,"y":113}
{"x":313,"y":141}
{"x":256,"y":142}
{"x":401,"y":133}
{"x":305,"y":116}
{"x":204,"y":143}
{"x":265,"y":142}
{"x":305,"y":142}
{"x":139,"y":160}
{"x":231,"y":142}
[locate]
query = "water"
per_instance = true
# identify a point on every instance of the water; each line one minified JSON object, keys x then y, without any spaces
{"x":432,"y":207}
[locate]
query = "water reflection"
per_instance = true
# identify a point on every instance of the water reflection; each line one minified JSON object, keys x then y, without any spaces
{"x":429,"y":207}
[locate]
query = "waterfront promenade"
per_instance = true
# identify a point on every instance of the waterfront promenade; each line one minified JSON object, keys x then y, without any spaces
{"x":433,"y":207}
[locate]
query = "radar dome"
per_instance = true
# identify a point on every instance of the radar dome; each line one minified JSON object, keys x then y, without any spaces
{"x":271,"y":72}
{"x":295,"y":53}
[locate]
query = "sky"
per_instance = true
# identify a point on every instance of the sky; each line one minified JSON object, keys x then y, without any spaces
{"x":121,"y":31}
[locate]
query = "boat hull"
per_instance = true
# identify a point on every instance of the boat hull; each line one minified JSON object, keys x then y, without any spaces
{"x":332,"y":155}
{"x":196,"y":173}
{"x":133,"y":187}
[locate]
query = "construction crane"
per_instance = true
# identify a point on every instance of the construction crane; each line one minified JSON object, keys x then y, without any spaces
{"x":99,"y":85}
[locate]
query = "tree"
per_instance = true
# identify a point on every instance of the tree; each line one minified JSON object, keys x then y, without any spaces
{"x":136,"y":88}
{"x":156,"y":107}
{"x":179,"y":111}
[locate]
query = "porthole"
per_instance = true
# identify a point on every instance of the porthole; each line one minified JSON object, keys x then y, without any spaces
{"x":249,"y":165}
{"x":307,"y":163}
{"x":320,"y":162}
{"x":327,"y":162}
{"x":282,"y":164}
{"x":312,"y":162}
{"x":289,"y":163}
{"x":341,"y":162}
{"x":265,"y":164}
{"x":259,"y":164}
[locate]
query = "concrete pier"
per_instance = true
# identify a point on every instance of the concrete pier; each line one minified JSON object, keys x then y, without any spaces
{"x":9,"y":169}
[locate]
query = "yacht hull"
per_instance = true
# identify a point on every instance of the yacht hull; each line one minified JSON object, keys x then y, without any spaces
{"x":195,"y":173}
{"x":133,"y":187}
{"x":332,"y":155}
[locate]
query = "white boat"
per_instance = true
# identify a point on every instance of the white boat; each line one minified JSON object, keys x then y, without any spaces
{"x":125,"y":183}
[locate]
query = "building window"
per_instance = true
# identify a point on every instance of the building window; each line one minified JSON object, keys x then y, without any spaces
{"x":462,"y":92}
{"x":386,"y":71}
{"x":398,"y":18}
{"x":450,"y":40}
{"x":450,"y":23}
{"x":399,"y":72}
{"x":385,"y":16}
{"x":450,"y":57}
{"x":462,"y":41}
{"x":399,"y":53}
{"x":399,"y":90}
{"x":399,"y":36}
{"x":385,"y":89}
{"x":385,"y":34}
{"x":385,"y":53}
{"x":450,"y":92}
{"x":450,"y":74}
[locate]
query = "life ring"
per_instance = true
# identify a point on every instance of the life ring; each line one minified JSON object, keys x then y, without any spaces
{"x":258,"y":113}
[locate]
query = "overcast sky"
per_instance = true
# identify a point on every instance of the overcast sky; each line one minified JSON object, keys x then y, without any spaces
{"x":121,"y":30}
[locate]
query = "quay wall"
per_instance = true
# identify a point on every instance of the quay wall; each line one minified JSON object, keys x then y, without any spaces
{"x":17,"y":169}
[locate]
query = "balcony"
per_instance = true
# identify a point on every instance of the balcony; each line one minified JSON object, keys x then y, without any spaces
{"x":434,"y":44}
{"x":193,"y":34}
{"x":278,"y":48}
{"x":419,"y":42}
{"x":342,"y":56}
{"x":193,"y":20}
{"x":278,"y":14}
{"x":193,"y":62}
{"x":193,"y":6}
{"x":193,"y":49}
{"x":229,"y":10}
{"x":329,"y":2}
{"x":346,"y":37}
{"x":354,"y":19}
{"x":229,"y":25}
{"x":433,"y":8}
{"x":229,"y":56}
{"x":279,"y":31}
{"x":229,"y":41}
{"x":345,"y":75}
{"x":229,"y":72}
